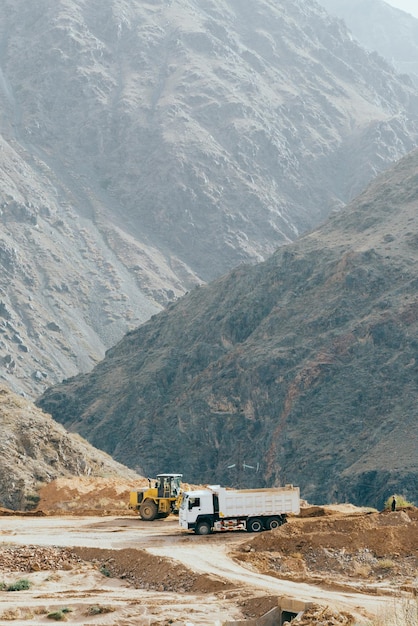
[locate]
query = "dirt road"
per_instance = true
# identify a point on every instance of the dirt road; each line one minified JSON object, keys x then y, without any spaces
{"x":175,"y":575}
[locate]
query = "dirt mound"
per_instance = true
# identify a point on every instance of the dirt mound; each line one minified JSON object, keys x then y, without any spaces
{"x":340,"y":550}
{"x":139,"y":568}
{"x":37,"y":558}
{"x":145,"y":571}
{"x":310,"y":510}
{"x":86,"y":494}
{"x":385,"y":534}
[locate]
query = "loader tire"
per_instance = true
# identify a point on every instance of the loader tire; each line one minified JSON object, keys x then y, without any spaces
{"x":148,"y":510}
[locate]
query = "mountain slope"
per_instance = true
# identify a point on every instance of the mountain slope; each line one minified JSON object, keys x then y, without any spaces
{"x":302,"y":367}
{"x":151,"y":146}
{"x":381,"y":27}
{"x":35,"y":450}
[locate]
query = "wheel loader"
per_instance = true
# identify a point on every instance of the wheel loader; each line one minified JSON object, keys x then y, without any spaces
{"x":160,"y":500}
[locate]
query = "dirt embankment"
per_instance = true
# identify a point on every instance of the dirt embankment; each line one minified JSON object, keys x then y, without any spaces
{"x":355,"y":550}
{"x":86,"y":495}
{"x":137,"y":567}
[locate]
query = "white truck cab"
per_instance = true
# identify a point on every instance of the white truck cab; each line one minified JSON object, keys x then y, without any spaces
{"x":218,"y":508}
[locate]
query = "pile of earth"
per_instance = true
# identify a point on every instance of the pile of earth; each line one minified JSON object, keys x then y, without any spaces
{"x":84,"y":495}
{"x":141,"y":569}
{"x":365,"y":551}
{"x":324,"y":616}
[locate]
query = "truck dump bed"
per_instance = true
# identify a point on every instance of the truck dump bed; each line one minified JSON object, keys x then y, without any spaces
{"x":263,"y":502}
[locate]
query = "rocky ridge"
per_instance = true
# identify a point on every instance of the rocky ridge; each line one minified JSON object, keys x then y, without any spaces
{"x":151,"y":146}
{"x":381,"y":27}
{"x":36,"y":450}
{"x":301,"y":369}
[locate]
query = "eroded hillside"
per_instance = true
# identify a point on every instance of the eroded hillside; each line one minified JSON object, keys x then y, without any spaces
{"x":298,"y":370}
{"x":35,"y":450}
{"x":379,"y":26}
{"x":147,"y":147}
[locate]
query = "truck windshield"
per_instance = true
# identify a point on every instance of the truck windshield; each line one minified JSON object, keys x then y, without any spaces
{"x":193,"y":502}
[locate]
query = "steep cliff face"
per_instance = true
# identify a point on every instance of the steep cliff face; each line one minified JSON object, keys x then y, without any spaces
{"x":35,"y":450}
{"x":147,"y":147}
{"x":379,"y":26}
{"x":301,"y":369}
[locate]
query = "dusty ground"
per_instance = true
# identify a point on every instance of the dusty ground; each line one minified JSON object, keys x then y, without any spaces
{"x":116,"y":569}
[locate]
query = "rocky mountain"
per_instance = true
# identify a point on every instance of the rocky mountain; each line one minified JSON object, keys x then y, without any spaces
{"x":35,"y":450}
{"x":379,"y":26}
{"x":301,"y":369}
{"x":147,"y":147}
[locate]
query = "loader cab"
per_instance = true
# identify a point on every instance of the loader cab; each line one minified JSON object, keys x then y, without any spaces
{"x":168,"y":485}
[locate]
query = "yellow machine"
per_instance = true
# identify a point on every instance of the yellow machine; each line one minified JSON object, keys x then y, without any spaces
{"x":160,"y":500}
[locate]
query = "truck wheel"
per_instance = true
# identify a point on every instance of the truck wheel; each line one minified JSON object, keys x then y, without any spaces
{"x":148,"y":510}
{"x":273,"y":522}
{"x":254,"y":525}
{"x":203,"y":528}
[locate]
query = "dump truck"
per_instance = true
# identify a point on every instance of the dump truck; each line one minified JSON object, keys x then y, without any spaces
{"x":253,"y":510}
{"x":158,"y":500}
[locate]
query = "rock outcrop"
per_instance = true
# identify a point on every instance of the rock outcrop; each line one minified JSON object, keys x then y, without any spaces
{"x":35,"y":450}
{"x":299,"y":370}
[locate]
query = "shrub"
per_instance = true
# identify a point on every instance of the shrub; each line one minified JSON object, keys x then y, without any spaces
{"x":58,"y":616}
{"x":32,"y":501}
{"x":99,"y":610}
{"x":105,"y":571}
{"x":20,"y":585}
{"x":384,"y":565}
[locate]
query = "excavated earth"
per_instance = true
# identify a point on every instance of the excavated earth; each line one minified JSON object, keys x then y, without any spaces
{"x":366,"y":551}
{"x":86,"y":566}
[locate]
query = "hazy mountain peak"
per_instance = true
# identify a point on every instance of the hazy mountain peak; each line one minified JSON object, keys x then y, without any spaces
{"x":150,"y":147}
{"x":379,"y":26}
